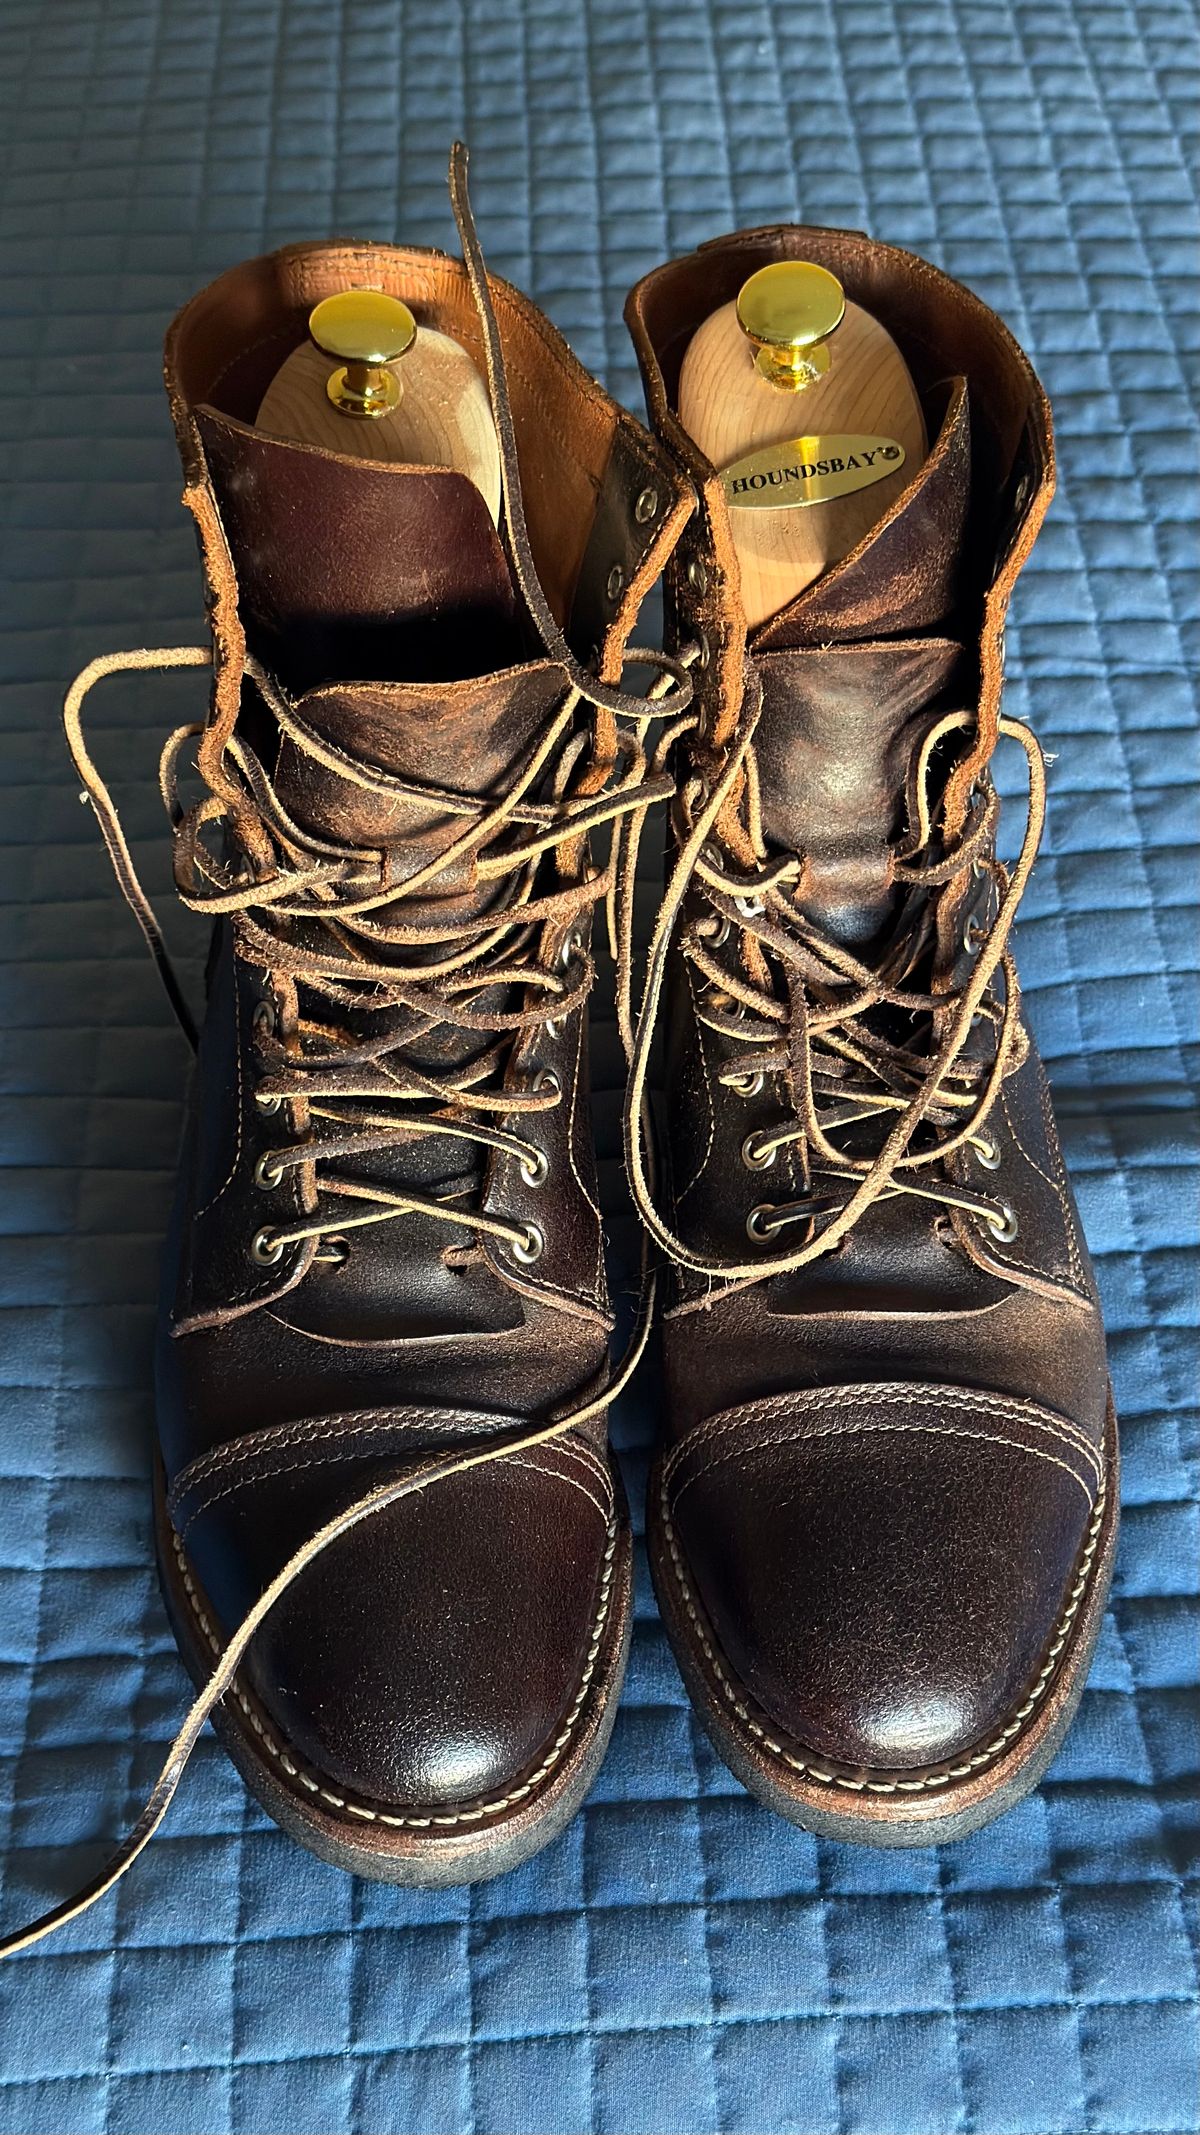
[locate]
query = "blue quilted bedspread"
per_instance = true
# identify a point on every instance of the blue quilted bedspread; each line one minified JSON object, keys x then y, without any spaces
{"x":679,"y":1960}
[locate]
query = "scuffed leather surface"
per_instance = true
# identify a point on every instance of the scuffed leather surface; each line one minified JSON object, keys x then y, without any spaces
{"x":678,"y":1960}
{"x":838,"y":728}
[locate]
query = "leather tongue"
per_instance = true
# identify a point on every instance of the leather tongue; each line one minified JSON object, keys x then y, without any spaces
{"x":903,"y":575}
{"x":838,"y":728}
{"x":849,"y":678}
{"x":358,"y":568}
{"x":466,"y":738}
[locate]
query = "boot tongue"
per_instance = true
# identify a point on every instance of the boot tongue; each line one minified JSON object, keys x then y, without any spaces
{"x":849,"y":672}
{"x":838,"y":729}
{"x":357,"y":567}
{"x":466,"y":738}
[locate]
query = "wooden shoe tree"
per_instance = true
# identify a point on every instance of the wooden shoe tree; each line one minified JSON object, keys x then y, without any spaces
{"x":805,"y":406}
{"x":344,"y":391}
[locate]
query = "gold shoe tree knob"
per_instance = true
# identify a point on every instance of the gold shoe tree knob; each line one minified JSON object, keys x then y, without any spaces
{"x":788,"y":312}
{"x":368,"y":330}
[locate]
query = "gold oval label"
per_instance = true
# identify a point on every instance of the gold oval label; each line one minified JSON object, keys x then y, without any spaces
{"x":809,"y":470}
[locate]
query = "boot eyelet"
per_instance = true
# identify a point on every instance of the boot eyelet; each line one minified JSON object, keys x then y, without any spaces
{"x":704,"y":653}
{"x":753,"y":1157}
{"x":266,"y":1248}
{"x":748,"y":1085}
{"x":267,"y":1105}
{"x":530,"y":1247}
{"x":616,"y":584}
{"x":697,"y":574}
{"x":988,"y":1153}
{"x":1003,"y":1224}
{"x":265,"y":1020}
{"x":713,"y":928}
{"x":267,"y":1173}
{"x":972,"y":936}
{"x":756,"y":1228}
{"x":534,"y":1168}
{"x":570,"y":947}
{"x":547,"y":1079}
{"x":750,"y":907}
{"x":646,"y":507}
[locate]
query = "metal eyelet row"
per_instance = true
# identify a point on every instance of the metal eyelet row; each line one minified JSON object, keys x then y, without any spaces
{"x":264,"y":1023}
{"x":645,"y":509}
{"x":535,"y":1170}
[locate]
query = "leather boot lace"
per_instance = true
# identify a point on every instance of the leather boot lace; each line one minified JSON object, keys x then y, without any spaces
{"x":886,"y":1069}
{"x":327,"y":919}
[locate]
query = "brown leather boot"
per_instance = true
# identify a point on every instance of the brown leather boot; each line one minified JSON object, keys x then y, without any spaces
{"x":883,"y":1518}
{"x":383,"y":1365}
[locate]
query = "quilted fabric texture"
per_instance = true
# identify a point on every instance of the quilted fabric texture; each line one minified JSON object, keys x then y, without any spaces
{"x":679,"y":1960}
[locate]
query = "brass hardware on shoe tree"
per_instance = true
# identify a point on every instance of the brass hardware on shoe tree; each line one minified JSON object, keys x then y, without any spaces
{"x":369,"y":330}
{"x":799,"y":398}
{"x":787,"y":312}
{"x":438,"y":417}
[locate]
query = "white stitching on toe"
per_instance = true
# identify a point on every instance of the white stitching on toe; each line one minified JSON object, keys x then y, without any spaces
{"x":370,"y":1813}
{"x":940,"y":1776}
{"x":727,"y":1455}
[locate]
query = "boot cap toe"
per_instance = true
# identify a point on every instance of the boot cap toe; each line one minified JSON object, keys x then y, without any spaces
{"x":884,"y":1568}
{"x":438,"y":1653}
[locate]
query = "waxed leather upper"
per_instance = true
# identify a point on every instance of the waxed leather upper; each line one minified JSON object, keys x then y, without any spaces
{"x":879,"y":1470}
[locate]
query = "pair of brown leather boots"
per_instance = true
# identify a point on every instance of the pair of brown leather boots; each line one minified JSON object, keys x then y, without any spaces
{"x":392,"y":1533}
